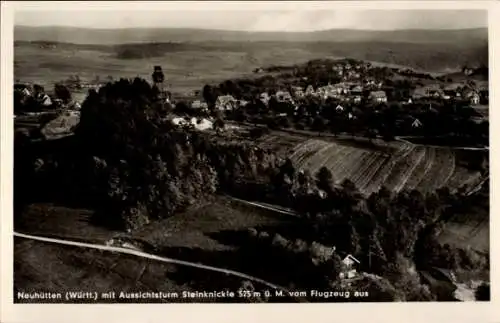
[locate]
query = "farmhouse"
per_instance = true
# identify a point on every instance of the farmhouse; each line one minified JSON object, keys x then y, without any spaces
{"x":284,"y":96}
{"x":264,"y":97}
{"x":356,"y":98}
{"x":350,"y":263}
{"x":310,"y":90}
{"x":23,"y":89}
{"x":298,"y":92}
{"x":474,"y":98}
{"x":198,"y":105}
{"x":339,"y":108}
{"x":378,"y":96}
{"x":225,"y":102}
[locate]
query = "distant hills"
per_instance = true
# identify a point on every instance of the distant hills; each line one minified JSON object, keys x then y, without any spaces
{"x":75,"y":35}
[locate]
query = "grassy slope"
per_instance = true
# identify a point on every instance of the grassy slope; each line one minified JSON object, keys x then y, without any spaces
{"x":204,"y":233}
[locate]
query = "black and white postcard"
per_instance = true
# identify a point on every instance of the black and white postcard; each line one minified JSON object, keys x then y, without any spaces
{"x":247,"y":153}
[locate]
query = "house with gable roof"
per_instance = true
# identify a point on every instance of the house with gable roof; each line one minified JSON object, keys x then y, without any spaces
{"x":225,"y":102}
{"x":350,"y":264}
{"x":378,"y":96}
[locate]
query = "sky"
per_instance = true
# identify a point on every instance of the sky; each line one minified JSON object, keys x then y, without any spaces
{"x":250,"y":20}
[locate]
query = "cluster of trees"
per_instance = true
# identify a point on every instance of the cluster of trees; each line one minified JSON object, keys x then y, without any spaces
{"x":128,"y":160}
{"x":310,"y":264}
{"x":149,"y":50}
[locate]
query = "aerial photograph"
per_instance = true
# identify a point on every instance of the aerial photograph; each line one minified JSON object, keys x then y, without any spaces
{"x":251,"y":156}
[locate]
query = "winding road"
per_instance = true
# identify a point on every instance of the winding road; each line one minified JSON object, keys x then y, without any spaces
{"x":142,"y":254}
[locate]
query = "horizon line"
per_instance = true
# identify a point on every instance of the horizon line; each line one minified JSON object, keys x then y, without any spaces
{"x":249,"y":31}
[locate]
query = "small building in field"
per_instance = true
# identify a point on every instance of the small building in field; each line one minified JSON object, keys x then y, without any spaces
{"x":378,"y":96}
{"x":339,"y":108}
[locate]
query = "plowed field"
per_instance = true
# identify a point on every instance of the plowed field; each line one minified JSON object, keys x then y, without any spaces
{"x":409,"y":167}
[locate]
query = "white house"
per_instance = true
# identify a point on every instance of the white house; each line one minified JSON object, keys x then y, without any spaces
{"x":225,"y":102}
{"x":198,"y":105}
{"x":45,"y":100}
{"x":264,"y":98}
{"x":350,"y":264}
{"x":474,"y":98}
{"x":378,"y":96}
{"x":339,"y":108}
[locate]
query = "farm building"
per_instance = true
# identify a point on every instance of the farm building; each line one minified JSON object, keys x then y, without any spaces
{"x":339,"y":108}
{"x":284,"y":96}
{"x":475,"y":98}
{"x":350,"y":263}
{"x":264,"y":98}
{"x":225,"y":102}
{"x":44,"y":99}
{"x":199,"y":105}
{"x":378,"y":96}
{"x":23,"y":89}
{"x":298,"y":92}
{"x":310,"y":90}
{"x":357,"y":90}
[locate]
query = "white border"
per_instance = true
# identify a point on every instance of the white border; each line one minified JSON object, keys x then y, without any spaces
{"x":375,"y":312}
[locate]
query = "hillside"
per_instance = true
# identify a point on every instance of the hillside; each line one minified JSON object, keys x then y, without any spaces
{"x":407,"y":167}
{"x":146,"y":35}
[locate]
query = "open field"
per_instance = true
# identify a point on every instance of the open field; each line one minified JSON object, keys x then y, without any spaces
{"x":407,"y":167}
{"x":190,"y":65}
{"x":208,"y":234}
